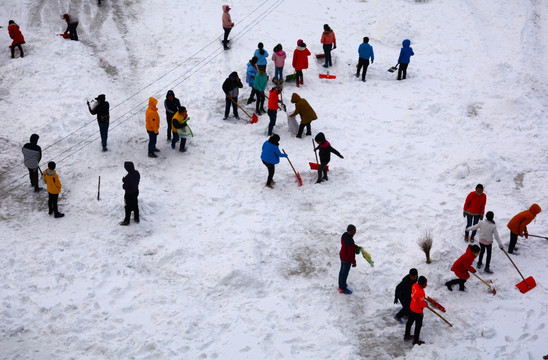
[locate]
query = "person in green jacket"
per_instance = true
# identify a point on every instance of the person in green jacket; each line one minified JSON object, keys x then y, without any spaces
{"x":260,"y":86}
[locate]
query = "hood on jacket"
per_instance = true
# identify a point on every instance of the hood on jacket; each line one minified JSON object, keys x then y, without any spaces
{"x":406,"y":43}
{"x":320,"y":137}
{"x":128,"y":165}
{"x":295,"y":98}
{"x":274,"y":139}
{"x":152,"y":102}
{"x":535,"y":209}
{"x":233,"y":75}
{"x":34,"y":140}
{"x":170,"y":92}
{"x":226,"y":8}
{"x":66,"y":17}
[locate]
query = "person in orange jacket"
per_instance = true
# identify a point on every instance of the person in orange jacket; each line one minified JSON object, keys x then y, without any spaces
{"x":474,"y":208}
{"x":463,"y":266}
{"x":329,"y":43}
{"x":300,"y":61}
{"x":18,"y":38}
{"x":152,"y":126}
{"x":518,"y":226}
{"x":54,"y":188}
{"x":417,"y":305}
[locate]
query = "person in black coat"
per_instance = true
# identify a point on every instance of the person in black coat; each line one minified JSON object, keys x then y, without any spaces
{"x":172,"y":105}
{"x":32,"y":154}
{"x":131,"y":187}
{"x":103,"y":117}
{"x":403,"y":294}
{"x":325,"y":156}
{"x":230,"y":87}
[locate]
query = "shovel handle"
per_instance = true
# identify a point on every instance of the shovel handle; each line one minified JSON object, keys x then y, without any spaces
{"x":315,"y":153}
{"x":441,"y":317}
{"x":538,"y":236}
{"x":249,"y":116}
{"x":290,"y":163}
{"x":509,"y":258}
{"x":483,"y":281}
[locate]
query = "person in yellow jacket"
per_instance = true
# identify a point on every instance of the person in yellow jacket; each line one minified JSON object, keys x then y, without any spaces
{"x":303,"y":108}
{"x":153,"y":126}
{"x":179,"y":122}
{"x":54,"y":188}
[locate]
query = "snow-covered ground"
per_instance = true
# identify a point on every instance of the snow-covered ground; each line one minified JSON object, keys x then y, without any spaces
{"x":222,"y":267}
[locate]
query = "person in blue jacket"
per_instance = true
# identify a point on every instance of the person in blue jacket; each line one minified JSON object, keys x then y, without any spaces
{"x":250,"y":77}
{"x":270,"y":156}
{"x":404,"y":59}
{"x":261,"y":55}
{"x":365,"y":52}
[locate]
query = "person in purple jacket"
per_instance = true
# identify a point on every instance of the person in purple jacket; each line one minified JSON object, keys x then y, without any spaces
{"x":270,"y":156}
{"x":404,"y":59}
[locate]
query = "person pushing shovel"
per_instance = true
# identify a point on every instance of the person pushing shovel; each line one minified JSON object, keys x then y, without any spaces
{"x":416,"y":313}
{"x":463,"y":266}
{"x":518,"y":226}
{"x":325,"y":155}
{"x":270,"y":156}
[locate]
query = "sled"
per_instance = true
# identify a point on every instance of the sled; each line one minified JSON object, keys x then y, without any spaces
{"x":435,"y":303}
{"x":367,"y":257}
{"x":393,"y":68}
{"x":327,"y":76}
{"x":316,"y":165}
{"x":64,"y":36}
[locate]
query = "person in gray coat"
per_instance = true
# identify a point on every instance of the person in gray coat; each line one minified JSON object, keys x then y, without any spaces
{"x":32,"y":154}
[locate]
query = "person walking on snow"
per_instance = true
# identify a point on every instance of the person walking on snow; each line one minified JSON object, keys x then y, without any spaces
{"x":54,"y":188}
{"x":416,"y":313}
{"x":325,"y":149}
{"x":179,"y":122}
{"x":72,"y":24}
{"x":250,"y":77}
{"x":130,"y":184}
{"x":329,"y":43}
{"x":18,"y":38}
{"x":262,"y":56}
{"x":103,"y":117}
{"x":405,"y":57}
{"x":230,"y":88}
{"x":32,"y":154}
{"x":474,"y":207}
{"x":152,"y":126}
{"x":261,"y":80}
{"x":348,"y":252}
{"x":227,"y":25}
{"x":273,"y":106}
{"x":462,"y":267}
{"x":300,"y":61}
{"x":365,"y":52}
{"x":518,"y":226}
{"x":303,"y":108}
{"x":278,"y":57}
{"x":403,"y":294}
{"x":172,"y":105}
{"x":270,"y":156}
{"x":488,"y":230}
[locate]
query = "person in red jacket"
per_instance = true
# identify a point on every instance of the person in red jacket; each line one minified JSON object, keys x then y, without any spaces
{"x":329,"y":43}
{"x":474,"y":208}
{"x":300,"y":60}
{"x":18,"y":38}
{"x":417,"y":305}
{"x":348,"y":257}
{"x":72,"y":24}
{"x":463,"y":266}
{"x":273,"y":100}
{"x":518,"y":226}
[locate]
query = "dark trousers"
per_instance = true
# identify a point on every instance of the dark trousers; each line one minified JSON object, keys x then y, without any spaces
{"x":488,"y":257}
{"x":301,"y":128}
{"x":327,"y":51}
{"x":52,"y":203}
{"x":225,"y":38}
{"x":13,"y":50}
{"x":402,"y":71}
{"x":343,"y":274}
{"x":322,"y":172}
{"x":33,"y":176}
{"x":152,"y":137}
{"x":169,"y":117}
{"x":176,"y":138}
{"x":72,"y":31}
{"x":103,"y":130}
{"x":299,"y":76}
{"x":513,"y":242}
{"x":252,"y":95}
{"x":405,"y":311}
{"x":470,"y":221}
{"x":365,"y":64}
{"x":132,"y":204}
{"x":459,"y":282}
{"x":272,"y":115}
{"x":259,"y":105}
{"x":234,"y":106}
{"x":417,"y":319}
{"x":271,"y":168}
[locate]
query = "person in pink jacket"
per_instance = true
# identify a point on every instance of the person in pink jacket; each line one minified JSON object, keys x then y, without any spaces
{"x":463,"y":266}
{"x":473,"y":210}
{"x":329,"y":43}
{"x":227,"y":25}
{"x":279,"y":61}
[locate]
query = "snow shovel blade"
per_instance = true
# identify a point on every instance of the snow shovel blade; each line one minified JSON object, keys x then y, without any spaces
{"x":64,"y":36}
{"x":299,"y":180}
{"x":254,"y":118}
{"x":316,"y":166}
{"x":392,"y":69}
{"x":526,"y":285}
{"x":435,"y":303}
{"x":320,"y":56}
{"x":290,"y":77}
{"x":327,"y":76}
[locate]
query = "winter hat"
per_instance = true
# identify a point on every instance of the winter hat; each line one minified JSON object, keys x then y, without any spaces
{"x":100,"y":97}
{"x":51,"y":165}
{"x":300,"y":42}
{"x":320,"y":137}
{"x":233,"y":75}
{"x":170,"y":92}
{"x":11,"y":22}
{"x":274,"y":139}
{"x":228,"y":8}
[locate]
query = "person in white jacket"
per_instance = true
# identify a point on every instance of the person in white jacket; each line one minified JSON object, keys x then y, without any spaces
{"x":488,"y":230}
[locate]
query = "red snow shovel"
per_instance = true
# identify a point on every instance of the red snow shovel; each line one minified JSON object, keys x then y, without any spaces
{"x":253,"y":118}
{"x":320,"y":56}
{"x":483,"y":281}
{"x":526,"y":284}
{"x":298,"y":175}
{"x":64,"y":36}
{"x":316,"y":165}
{"x":327,"y":76}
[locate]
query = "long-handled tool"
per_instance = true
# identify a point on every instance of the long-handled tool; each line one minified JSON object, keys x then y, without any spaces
{"x":99,"y":188}
{"x":435,"y":303}
{"x":253,"y":118}
{"x":483,"y":281}
{"x":298,"y":175}
{"x":525,"y":285}
{"x":441,"y":317}
{"x":316,"y":165}
{"x":393,"y":68}
{"x":538,"y":236}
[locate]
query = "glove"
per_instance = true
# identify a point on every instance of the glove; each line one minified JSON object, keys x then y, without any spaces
{"x":464,"y":214}
{"x":334,"y":47}
{"x":474,"y":271}
{"x":395,"y":300}
{"x":358,"y":250}
{"x":372,"y":61}
{"x":501,"y":248}
{"x":481,"y":217}
{"x":353,"y":265}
